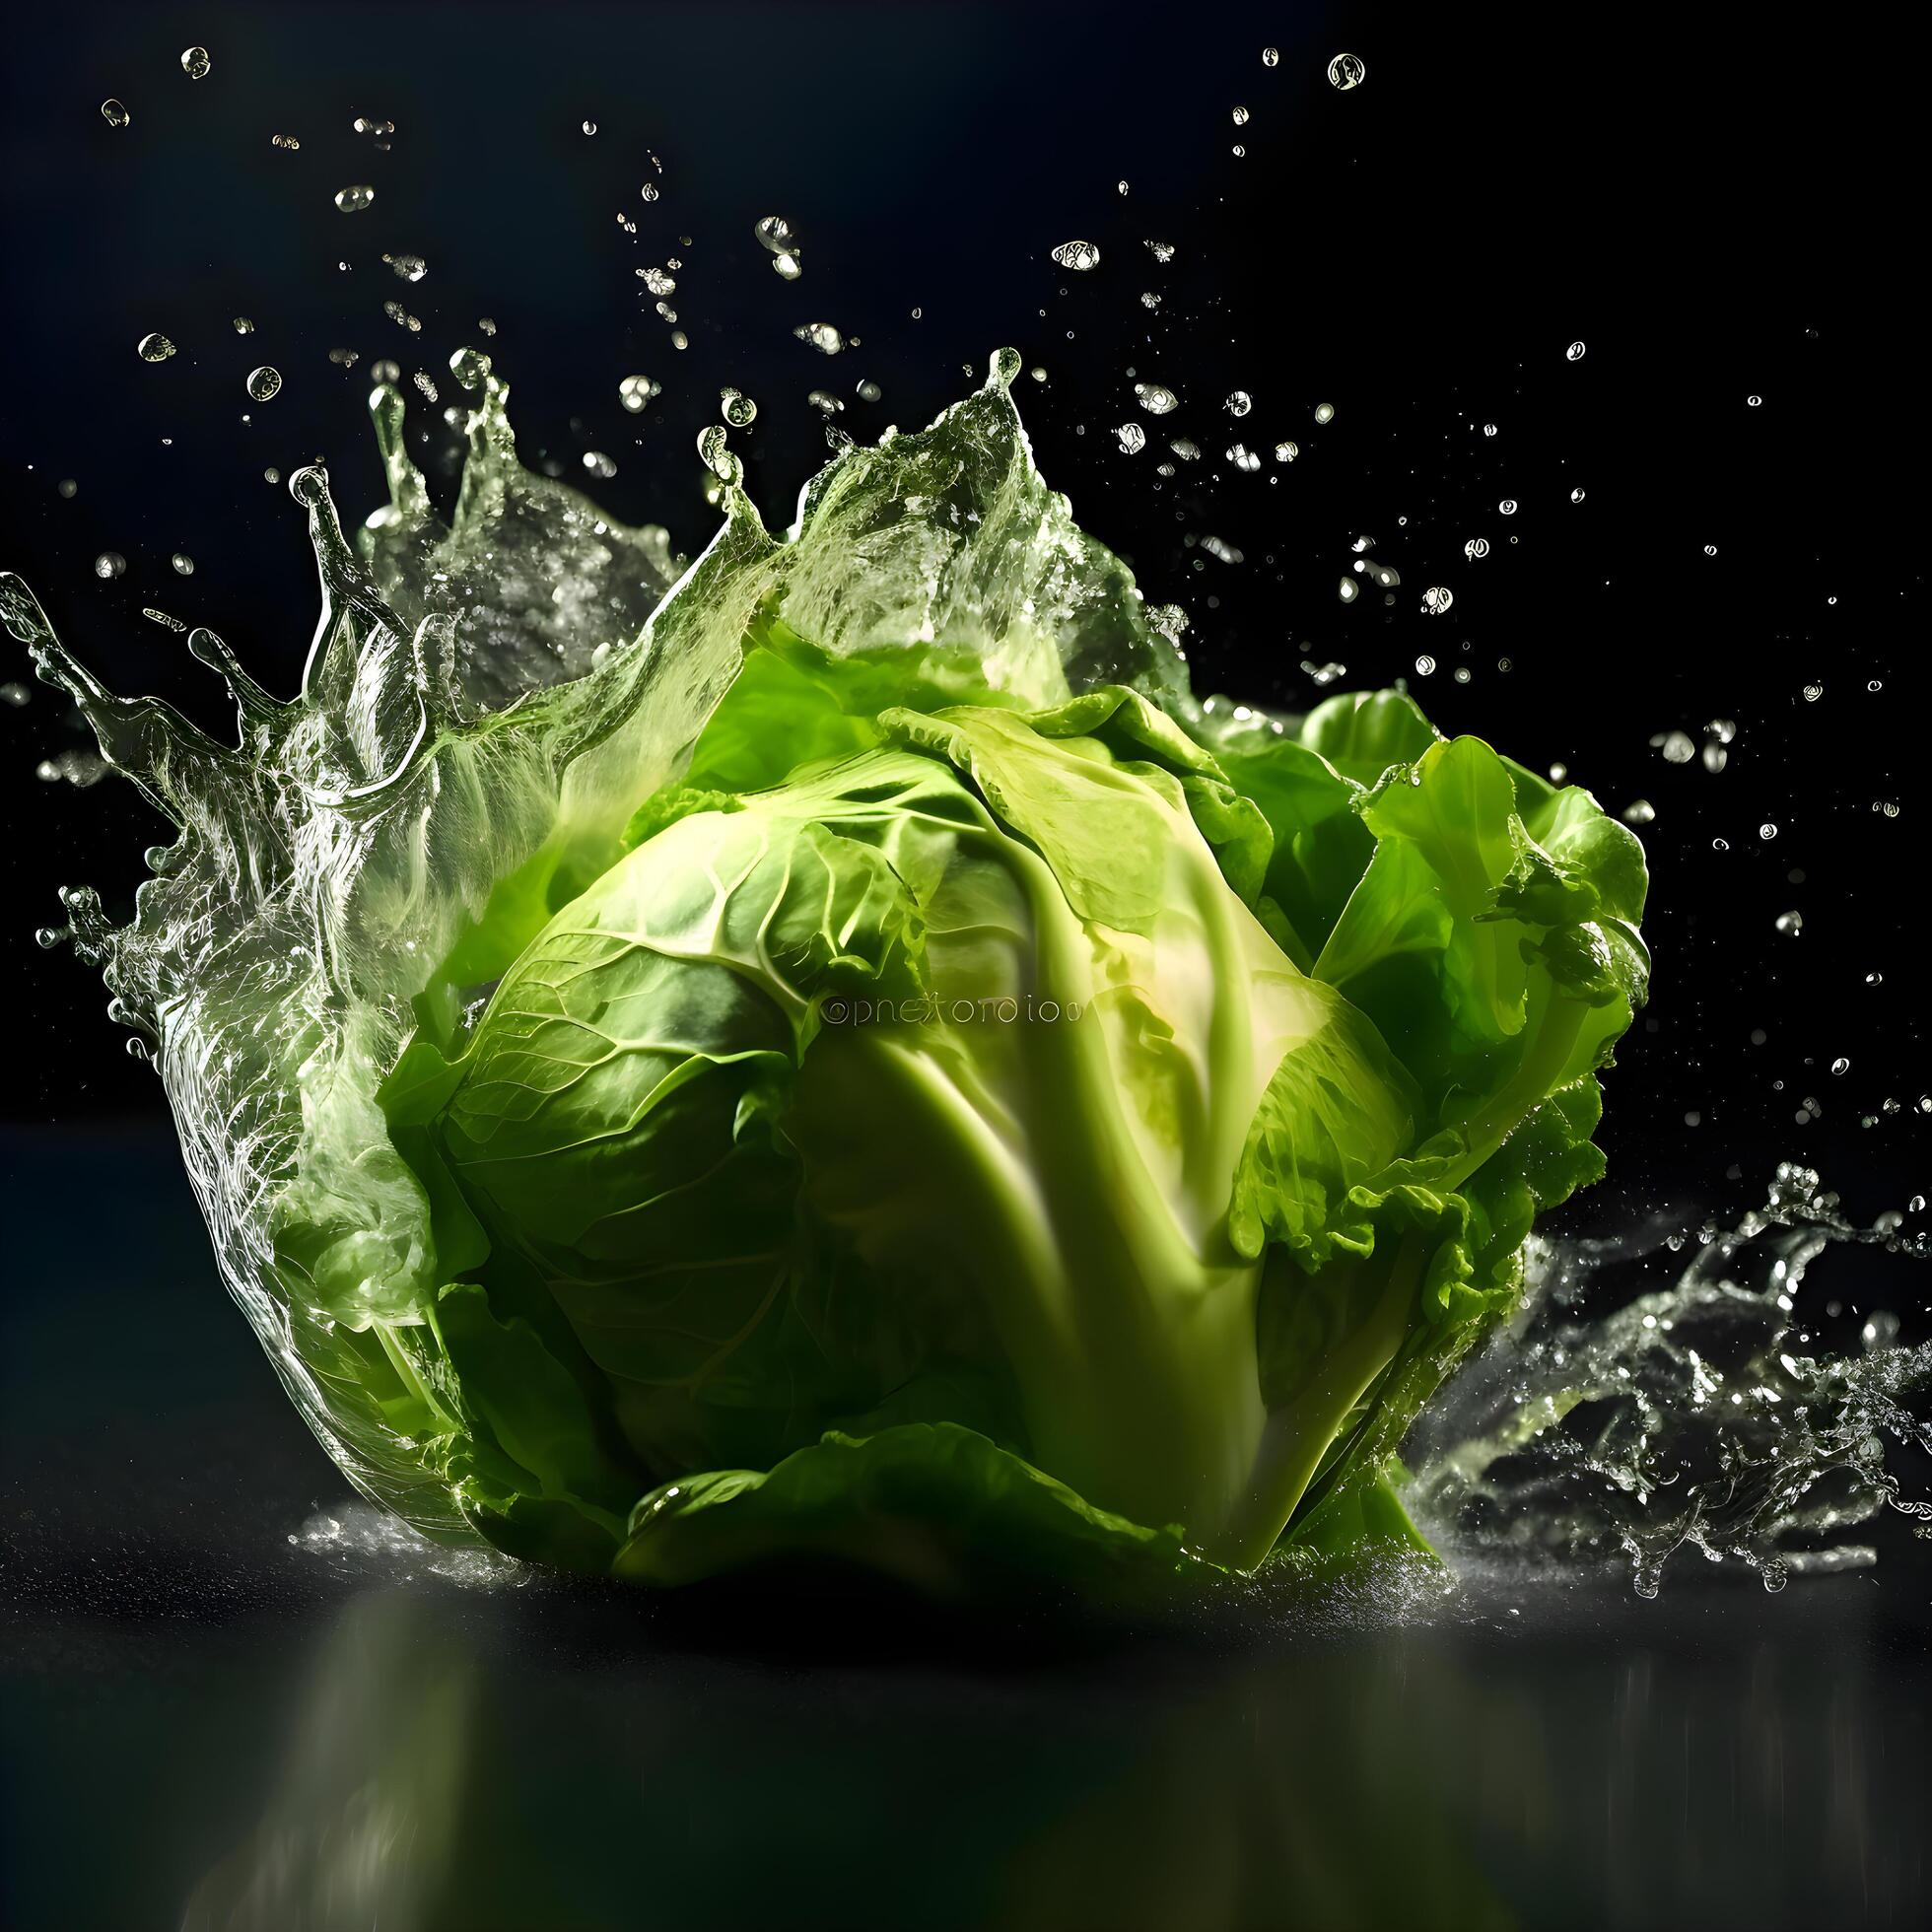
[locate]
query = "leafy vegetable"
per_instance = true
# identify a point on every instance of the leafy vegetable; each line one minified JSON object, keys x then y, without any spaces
{"x":954,"y":1134}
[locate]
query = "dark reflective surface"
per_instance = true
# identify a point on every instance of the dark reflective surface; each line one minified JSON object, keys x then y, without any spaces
{"x":205,"y":1723}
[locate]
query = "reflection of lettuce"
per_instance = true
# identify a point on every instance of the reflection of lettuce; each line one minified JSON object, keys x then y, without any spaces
{"x":952,"y":1130}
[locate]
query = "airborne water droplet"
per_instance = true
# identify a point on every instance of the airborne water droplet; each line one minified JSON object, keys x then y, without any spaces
{"x":1347,"y":70}
{"x":821,"y":335}
{"x":1286,"y":452}
{"x":1574,"y":353}
{"x":738,"y":410}
{"x":1133,"y":438}
{"x":590,"y":127}
{"x":264,"y":383}
{"x":776,"y":233}
{"x":154,"y":348}
{"x":1271,"y":56}
{"x":1079,"y":256}
{"x":183,"y":564}
{"x":1239,"y":404}
{"x":243,"y":326}
{"x":598,"y":464}
{"x":1325,"y":412}
{"x":1154,"y":398}
{"x":634,"y":393}
{"x":195,"y":62}
{"x":110,"y":564}
{"x":1240,"y":117}
{"x":353,"y":200}
{"x":787,"y":267}
{"x":114,"y":113}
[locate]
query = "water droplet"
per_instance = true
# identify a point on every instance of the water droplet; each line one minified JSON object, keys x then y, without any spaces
{"x":154,"y":348}
{"x":590,"y":127}
{"x":1079,"y":256}
{"x":1239,"y":404}
{"x":353,"y":200}
{"x":110,"y":564}
{"x":1121,"y":186}
{"x":1155,"y":399}
{"x":1489,"y":428}
{"x":649,"y":191}
{"x":1507,"y":506}
{"x":1814,"y":692}
{"x":1476,"y":546}
{"x":739,"y":410}
{"x":715,"y":456}
{"x":1238,"y":151}
{"x":821,"y":335}
{"x":1640,"y":811}
{"x":1325,"y":412}
{"x":1753,"y":403}
{"x":287,"y":142}
{"x":1768,"y":830}
{"x":634,"y":393}
{"x":1188,"y":451}
{"x":1244,"y":458}
{"x":657,"y":281}
{"x":67,"y":487}
{"x":1349,"y":590}
{"x":195,"y":62}
{"x":1424,"y":666}
{"x":183,"y":564}
{"x":1286,"y":452}
{"x":598,"y":464}
{"x":786,"y":267}
{"x":1271,"y":56}
{"x":114,"y":113}
{"x":408,"y":268}
{"x":775,"y":232}
{"x":1240,"y":117}
{"x":1133,"y":438}
{"x":1347,"y":70}
{"x":1574,"y":353}
{"x":1576,"y":496}
{"x":264,"y":383}
{"x":1720,"y":845}
{"x":1842,"y":1064}
{"x":1436,"y":599}
{"x":1162,"y":252}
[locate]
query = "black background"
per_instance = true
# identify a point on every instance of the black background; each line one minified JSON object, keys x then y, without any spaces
{"x":1715,"y":214}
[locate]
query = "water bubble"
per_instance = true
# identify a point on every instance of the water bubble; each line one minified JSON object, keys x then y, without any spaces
{"x":1286,"y":452}
{"x":1271,"y":56}
{"x":1162,"y":252}
{"x":1842,"y":1064}
{"x":264,"y":383}
{"x":1476,"y":546}
{"x":110,"y":564}
{"x":1079,"y":256}
{"x":634,"y":393}
{"x":1325,"y":412}
{"x":1240,"y":117}
{"x":590,"y":127}
{"x":1711,"y":550}
{"x":1640,"y":811}
{"x":154,"y":348}
{"x":1237,"y":150}
{"x":1349,"y":590}
{"x":1720,"y":845}
{"x":1436,"y":599}
{"x":1133,"y":438}
{"x":353,"y":200}
{"x":195,"y":62}
{"x":1753,"y":403}
{"x":67,"y":487}
{"x":867,"y":391}
{"x":272,"y":475}
{"x":738,"y":410}
{"x":715,"y":456}
{"x":1154,"y":398}
{"x":1790,"y":924}
{"x":1814,"y":692}
{"x":1424,"y":666}
{"x":114,"y":113}
{"x":183,"y":564}
{"x":1347,"y":71}
{"x":822,"y":336}
{"x":1576,"y":494}
{"x":1489,"y":428}
{"x":1244,"y":458}
{"x":1239,"y":404}
{"x":1574,"y":353}
{"x":1768,"y":830}
{"x":1121,"y":186}
{"x":1507,"y":506}
{"x":679,"y":340}
{"x":598,"y":464}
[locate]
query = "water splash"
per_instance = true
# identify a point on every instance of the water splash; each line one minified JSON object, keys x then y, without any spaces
{"x":483,"y":704}
{"x":1736,"y":1411}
